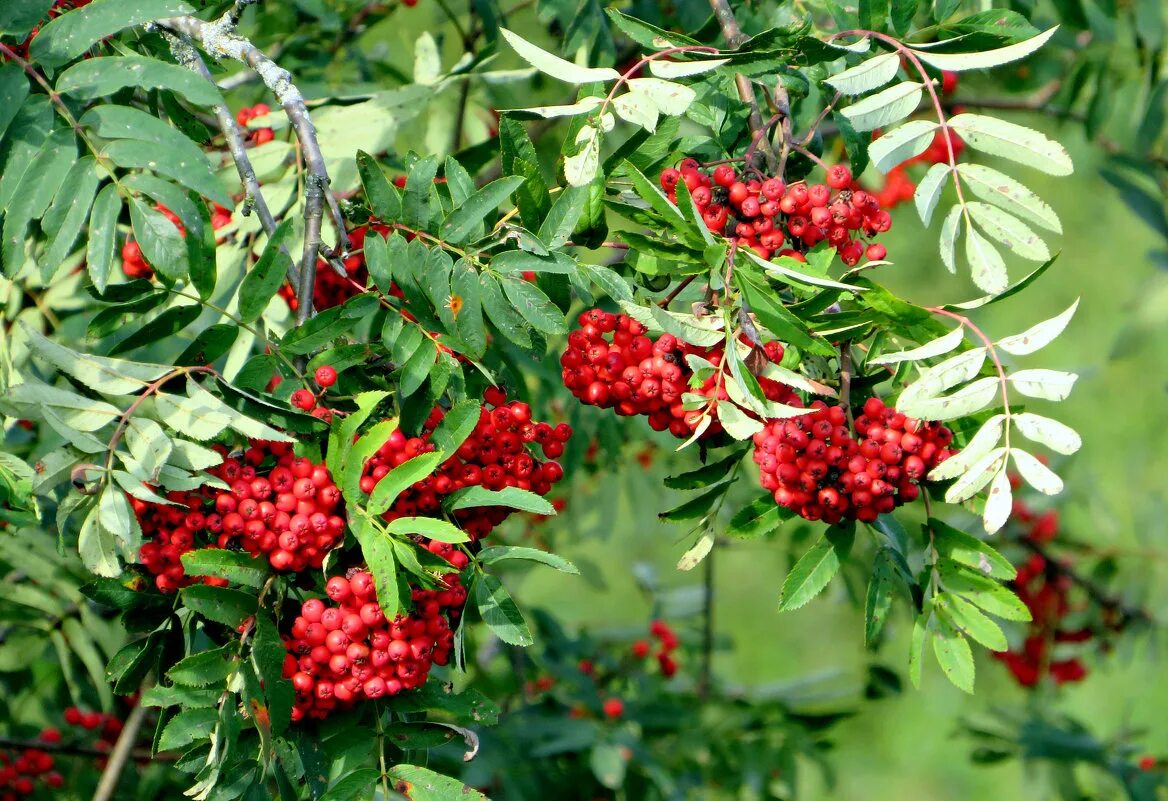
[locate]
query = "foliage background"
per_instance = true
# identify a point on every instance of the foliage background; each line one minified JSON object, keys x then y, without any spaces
{"x":902,"y":748}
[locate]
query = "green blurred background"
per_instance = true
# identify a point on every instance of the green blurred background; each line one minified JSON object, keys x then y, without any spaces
{"x":910,"y":747}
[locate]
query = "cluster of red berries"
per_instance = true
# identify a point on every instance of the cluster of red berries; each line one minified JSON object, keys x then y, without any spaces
{"x":325,"y":376}
{"x":134,"y":264}
{"x":610,"y":362}
{"x":817,"y":469}
{"x":664,"y":634}
{"x":1045,"y":589}
{"x":278,"y":505}
{"x":255,"y":136}
{"x":58,"y":8}
{"x":494,"y":456}
{"x":340,"y":654}
{"x":766,"y":215}
{"x":19,"y":773}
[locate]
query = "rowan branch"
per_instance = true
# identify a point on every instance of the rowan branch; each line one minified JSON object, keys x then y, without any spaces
{"x":219,"y":40}
{"x":735,"y":38}
{"x":121,"y":753}
{"x":189,"y":57}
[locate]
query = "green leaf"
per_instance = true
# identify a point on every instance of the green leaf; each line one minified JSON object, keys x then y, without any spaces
{"x":26,"y":135}
{"x":161,"y":242}
{"x":268,"y":654}
{"x":469,"y":325}
{"x":697,"y":507}
{"x":501,"y":313}
{"x":1002,"y":190}
{"x":165,"y":325}
{"x":534,"y":306}
{"x":66,"y":217}
{"x":379,"y":556}
{"x":519,"y":158}
{"x":18,"y":19}
{"x":878,"y":601}
{"x":70,"y":35}
{"x":188,"y":726}
{"x":779,"y":320}
{"x":419,"y":183}
{"x":981,"y":590}
{"x":901,"y":143}
{"x":383,"y":197}
{"x":13,"y":91}
{"x":984,"y":59}
{"x":555,"y":66}
{"x":110,"y":376}
{"x":563,"y":217}
{"x":464,"y":219}
{"x":235,"y":566}
{"x":816,"y":568}
{"x":377,"y":261}
{"x":220,"y":604}
{"x":968,"y":550}
{"x":146,"y":142}
{"x":867,"y":75}
{"x":500,"y":553}
{"x":969,"y":621}
{"x":82,"y":644}
{"x":432,"y":527}
{"x":1014,"y":142}
{"x":423,"y":784}
{"x":885,"y":107}
{"x":105,"y":75}
{"x":513,"y":497}
{"x":457,"y":424}
{"x":352,"y":786}
{"x":264,"y":280}
{"x":500,"y":613}
{"x":706,"y":475}
{"x":47,"y":171}
{"x":103,"y":226}
{"x":205,"y":668}
{"x":211,"y":343}
{"x":954,"y":656}
{"x":400,"y":478}
{"x":760,"y":517}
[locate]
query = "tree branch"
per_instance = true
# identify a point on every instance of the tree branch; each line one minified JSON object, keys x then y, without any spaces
{"x":123,"y":749}
{"x":219,"y":39}
{"x":735,"y":38}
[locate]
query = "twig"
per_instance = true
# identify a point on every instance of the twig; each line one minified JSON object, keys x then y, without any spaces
{"x":1094,"y":591}
{"x":845,"y":397}
{"x":123,"y":750}
{"x":75,"y":749}
{"x":235,"y":13}
{"x":735,"y":38}
{"x":676,"y":291}
{"x":218,"y":39}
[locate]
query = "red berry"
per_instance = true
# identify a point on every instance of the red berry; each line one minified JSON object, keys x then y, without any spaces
{"x":325,"y":376}
{"x":614,"y":708}
{"x":839,"y":177}
{"x":303,"y":399}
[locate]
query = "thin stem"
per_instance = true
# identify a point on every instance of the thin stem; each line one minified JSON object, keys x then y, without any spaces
{"x":1094,"y":591}
{"x":467,"y":41}
{"x":123,"y":750}
{"x":705,"y":676}
{"x":676,"y":291}
{"x":74,"y":749}
{"x":845,"y":356}
{"x":819,"y":120}
{"x":802,"y":151}
{"x":149,"y":390}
